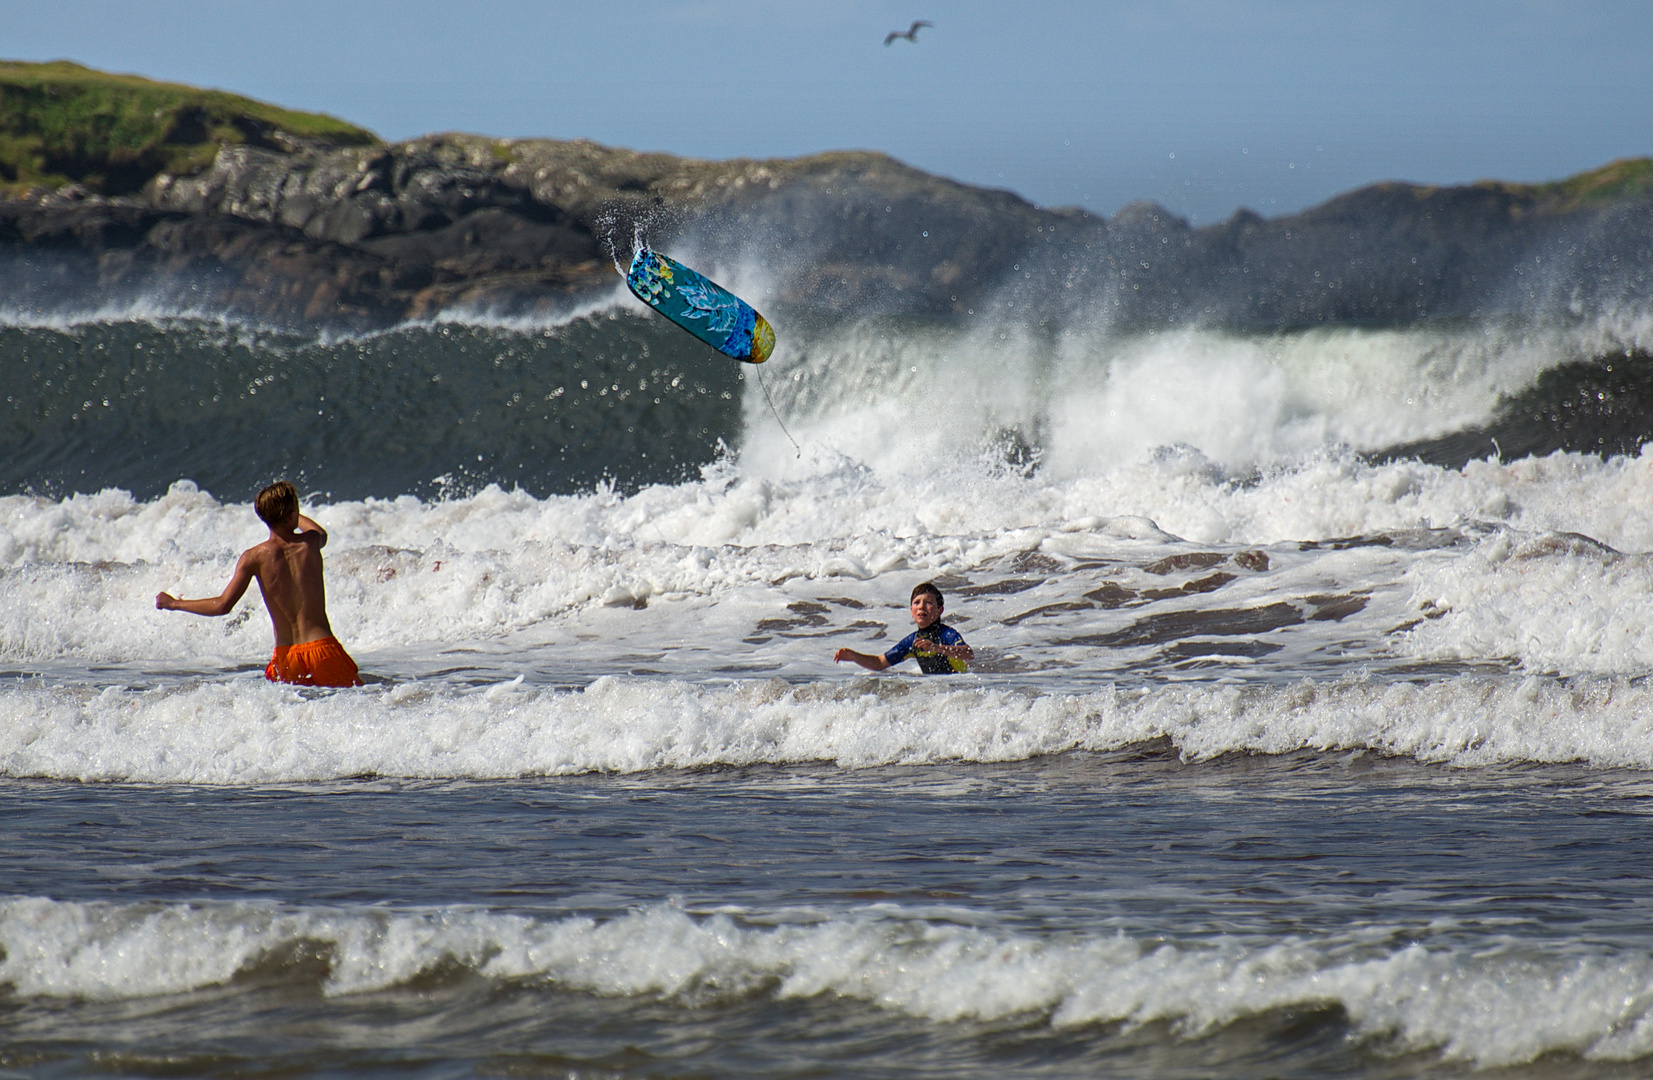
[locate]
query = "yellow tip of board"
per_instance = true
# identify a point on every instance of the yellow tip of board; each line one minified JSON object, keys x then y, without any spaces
{"x":763,"y":340}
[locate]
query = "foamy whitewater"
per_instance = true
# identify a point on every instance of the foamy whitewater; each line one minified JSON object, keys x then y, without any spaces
{"x":1282,"y":755}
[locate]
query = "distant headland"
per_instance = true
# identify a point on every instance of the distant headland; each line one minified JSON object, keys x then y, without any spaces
{"x":115,"y":187}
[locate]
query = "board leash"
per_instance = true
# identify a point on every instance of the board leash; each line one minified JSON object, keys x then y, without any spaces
{"x":777,"y":412}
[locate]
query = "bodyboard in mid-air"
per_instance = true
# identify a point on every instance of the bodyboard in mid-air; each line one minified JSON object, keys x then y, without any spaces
{"x":701,"y":306}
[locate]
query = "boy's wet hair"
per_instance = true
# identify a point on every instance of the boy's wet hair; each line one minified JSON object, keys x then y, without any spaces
{"x":276,"y":502}
{"x":927,"y":587}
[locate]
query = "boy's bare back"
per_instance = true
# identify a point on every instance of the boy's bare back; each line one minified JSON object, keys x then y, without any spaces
{"x":289,"y":575}
{"x":289,"y":572}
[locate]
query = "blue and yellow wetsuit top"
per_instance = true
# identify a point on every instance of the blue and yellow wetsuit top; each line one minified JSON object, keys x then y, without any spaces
{"x":917,"y":645}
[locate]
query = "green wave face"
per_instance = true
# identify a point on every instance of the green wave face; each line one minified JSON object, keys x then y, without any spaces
{"x":424,"y":409}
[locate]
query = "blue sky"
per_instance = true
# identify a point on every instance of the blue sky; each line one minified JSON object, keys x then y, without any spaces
{"x":1201,"y":105}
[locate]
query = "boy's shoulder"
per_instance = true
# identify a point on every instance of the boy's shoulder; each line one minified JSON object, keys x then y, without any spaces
{"x":270,"y":547}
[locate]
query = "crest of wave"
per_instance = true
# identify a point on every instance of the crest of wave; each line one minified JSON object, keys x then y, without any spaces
{"x":223,"y":733}
{"x":1486,"y":1008}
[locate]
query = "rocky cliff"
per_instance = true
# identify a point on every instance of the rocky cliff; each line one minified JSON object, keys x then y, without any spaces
{"x":354,"y":233}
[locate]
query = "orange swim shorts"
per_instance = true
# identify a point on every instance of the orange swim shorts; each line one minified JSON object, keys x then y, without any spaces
{"x":322,"y":662}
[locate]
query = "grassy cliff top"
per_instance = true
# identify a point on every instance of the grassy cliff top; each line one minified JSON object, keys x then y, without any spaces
{"x":62,"y":123}
{"x":1626,"y":178}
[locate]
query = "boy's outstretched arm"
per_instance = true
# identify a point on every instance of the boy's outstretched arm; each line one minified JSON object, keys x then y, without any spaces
{"x":220,"y":604}
{"x":870,"y":661}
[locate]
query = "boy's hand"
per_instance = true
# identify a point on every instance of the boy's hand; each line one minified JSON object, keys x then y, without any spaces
{"x":165,"y":601}
{"x":870,"y":661}
{"x":960,"y":653}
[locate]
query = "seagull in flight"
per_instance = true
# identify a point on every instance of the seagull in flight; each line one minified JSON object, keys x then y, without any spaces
{"x":911,"y":33}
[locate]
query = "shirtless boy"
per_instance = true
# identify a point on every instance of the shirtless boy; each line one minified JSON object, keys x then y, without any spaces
{"x":938,"y":648}
{"x":288,"y":569}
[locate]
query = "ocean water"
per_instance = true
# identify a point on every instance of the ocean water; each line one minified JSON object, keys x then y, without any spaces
{"x":1310,"y":732}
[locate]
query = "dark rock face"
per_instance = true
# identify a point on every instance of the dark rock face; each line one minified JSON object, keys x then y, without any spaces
{"x":1603,"y":406}
{"x":366,"y":236}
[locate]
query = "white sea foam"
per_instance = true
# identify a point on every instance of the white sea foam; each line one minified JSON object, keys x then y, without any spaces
{"x":1487,"y":1006}
{"x":837,"y":498}
{"x":157,"y":310}
{"x":492,"y":317}
{"x":1556,"y":602}
{"x":167,"y":311}
{"x":1092,"y":397}
{"x":245,"y":731}
{"x":692,"y":584}
{"x":713,"y":558}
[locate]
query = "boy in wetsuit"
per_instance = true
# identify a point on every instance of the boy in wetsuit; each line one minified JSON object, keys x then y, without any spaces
{"x":938,"y":648}
{"x":288,"y":568}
